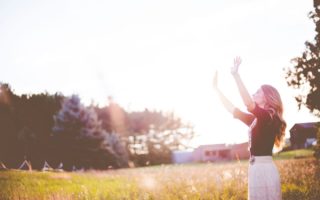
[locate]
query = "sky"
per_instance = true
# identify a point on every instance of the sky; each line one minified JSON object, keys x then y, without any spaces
{"x":159,"y":55}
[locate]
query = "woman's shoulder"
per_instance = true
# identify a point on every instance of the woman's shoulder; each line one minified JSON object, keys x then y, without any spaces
{"x":275,"y":119}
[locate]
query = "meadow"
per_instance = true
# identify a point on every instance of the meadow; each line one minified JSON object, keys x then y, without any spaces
{"x":299,"y":176}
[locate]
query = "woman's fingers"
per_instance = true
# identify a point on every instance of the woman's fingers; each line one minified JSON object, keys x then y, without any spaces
{"x":237,"y":61}
{"x":236,"y":64}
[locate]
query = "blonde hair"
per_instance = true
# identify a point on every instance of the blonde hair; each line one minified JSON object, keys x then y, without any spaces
{"x":274,"y":103}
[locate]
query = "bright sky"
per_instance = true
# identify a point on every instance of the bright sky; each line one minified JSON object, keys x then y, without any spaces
{"x":156,"y":54}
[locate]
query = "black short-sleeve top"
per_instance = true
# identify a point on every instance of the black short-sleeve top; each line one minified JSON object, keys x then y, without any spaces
{"x":264,"y":126}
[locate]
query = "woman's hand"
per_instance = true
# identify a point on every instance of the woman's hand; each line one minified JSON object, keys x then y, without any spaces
{"x":236,"y":64}
{"x":215,"y":81}
{"x":246,"y":97}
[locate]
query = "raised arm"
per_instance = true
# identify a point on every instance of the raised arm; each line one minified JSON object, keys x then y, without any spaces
{"x":226,"y":103}
{"x":244,"y":117}
{"x":242,"y":89}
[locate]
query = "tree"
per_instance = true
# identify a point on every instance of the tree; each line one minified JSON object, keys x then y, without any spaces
{"x":114,"y":118}
{"x":305,"y":75}
{"x":25,"y":123}
{"x":11,"y":149}
{"x":83,"y":141}
{"x":118,"y":149}
{"x":35,"y":114}
{"x":154,"y":135}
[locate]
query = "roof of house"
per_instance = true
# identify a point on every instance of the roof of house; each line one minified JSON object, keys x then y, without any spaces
{"x":309,"y":125}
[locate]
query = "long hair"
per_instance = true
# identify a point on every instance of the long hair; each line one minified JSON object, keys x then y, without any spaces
{"x":274,"y":103}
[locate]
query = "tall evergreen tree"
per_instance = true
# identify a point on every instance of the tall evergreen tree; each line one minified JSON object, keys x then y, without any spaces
{"x":83,"y":142}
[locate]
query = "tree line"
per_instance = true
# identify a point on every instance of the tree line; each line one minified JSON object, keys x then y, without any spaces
{"x":60,"y":130}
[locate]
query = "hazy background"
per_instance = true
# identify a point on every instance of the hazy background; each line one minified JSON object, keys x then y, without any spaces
{"x":156,"y":54}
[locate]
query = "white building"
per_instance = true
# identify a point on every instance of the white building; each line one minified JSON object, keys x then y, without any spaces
{"x":212,"y":153}
{"x":182,"y":157}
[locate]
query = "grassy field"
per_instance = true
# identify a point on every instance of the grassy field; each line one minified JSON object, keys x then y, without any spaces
{"x":194,"y":181}
{"x":301,"y":153}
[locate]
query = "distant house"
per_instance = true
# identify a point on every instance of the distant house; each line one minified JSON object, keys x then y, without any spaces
{"x":240,"y":151}
{"x":212,"y":153}
{"x":303,"y":135}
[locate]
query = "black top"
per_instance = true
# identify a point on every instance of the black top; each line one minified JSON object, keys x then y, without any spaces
{"x":263,"y":132}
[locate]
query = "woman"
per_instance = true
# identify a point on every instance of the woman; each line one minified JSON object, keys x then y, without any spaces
{"x":266,"y":129}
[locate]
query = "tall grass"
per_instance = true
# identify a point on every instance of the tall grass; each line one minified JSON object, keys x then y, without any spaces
{"x":195,"y":181}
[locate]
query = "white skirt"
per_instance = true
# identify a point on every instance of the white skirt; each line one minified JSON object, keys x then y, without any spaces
{"x":264,"y":179}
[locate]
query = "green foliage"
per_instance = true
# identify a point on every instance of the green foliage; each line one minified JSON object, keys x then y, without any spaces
{"x":162,"y":133}
{"x":82,"y":141}
{"x":26,"y":124}
{"x":306,"y":73}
